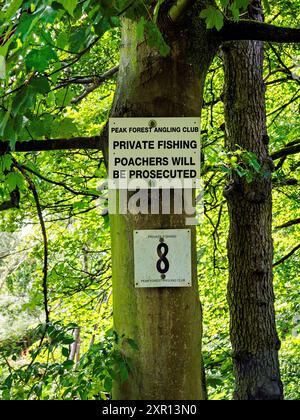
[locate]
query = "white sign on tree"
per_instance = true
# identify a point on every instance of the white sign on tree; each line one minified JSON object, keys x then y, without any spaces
{"x":162,"y":258}
{"x":154,"y":149}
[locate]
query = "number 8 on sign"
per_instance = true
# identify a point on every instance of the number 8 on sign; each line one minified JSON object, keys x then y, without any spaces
{"x":163,"y":264}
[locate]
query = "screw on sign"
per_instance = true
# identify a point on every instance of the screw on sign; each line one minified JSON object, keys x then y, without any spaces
{"x":163,"y":264}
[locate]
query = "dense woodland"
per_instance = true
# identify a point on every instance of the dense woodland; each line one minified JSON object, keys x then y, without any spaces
{"x":63,"y":72}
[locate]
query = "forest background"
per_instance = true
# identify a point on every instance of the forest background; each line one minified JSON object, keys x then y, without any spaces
{"x":58,"y":69}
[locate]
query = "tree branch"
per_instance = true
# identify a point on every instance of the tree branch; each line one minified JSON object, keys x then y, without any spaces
{"x":288,"y":224}
{"x":292,"y":75}
{"x":13,"y":203}
{"x":254,"y":30}
{"x":287,"y":256}
{"x":45,"y":242}
{"x":76,"y":143}
{"x":92,"y":83}
{"x":85,"y":93}
{"x":285,"y":182}
{"x":88,"y":80}
{"x":279,"y":110}
{"x":59,"y":184}
{"x":286,"y":151}
{"x":86,"y":143}
{"x":285,"y":70}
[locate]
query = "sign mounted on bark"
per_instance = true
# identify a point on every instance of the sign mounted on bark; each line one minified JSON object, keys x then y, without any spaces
{"x":154,"y":149}
{"x":162,"y":258}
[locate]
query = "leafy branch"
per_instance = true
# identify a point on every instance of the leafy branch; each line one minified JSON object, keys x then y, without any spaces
{"x":45,"y":240}
{"x":290,"y":254}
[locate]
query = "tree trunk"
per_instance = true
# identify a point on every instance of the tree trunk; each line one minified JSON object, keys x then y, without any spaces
{"x":75,"y":346}
{"x":250,"y":247}
{"x":165,"y":323}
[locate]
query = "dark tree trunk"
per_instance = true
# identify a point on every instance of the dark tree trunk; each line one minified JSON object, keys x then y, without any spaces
{"x":250,"y":247}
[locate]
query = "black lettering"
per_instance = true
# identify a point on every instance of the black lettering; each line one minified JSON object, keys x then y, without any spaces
{"x":163,"y":264}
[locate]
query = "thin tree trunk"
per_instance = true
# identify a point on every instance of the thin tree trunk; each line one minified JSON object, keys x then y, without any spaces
{"x":250,"y":247}
{"x":75,"y":346}
{"x":165,"y":323}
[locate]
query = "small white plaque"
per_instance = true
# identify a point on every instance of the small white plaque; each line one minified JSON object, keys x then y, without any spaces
{"x":162,"y":258}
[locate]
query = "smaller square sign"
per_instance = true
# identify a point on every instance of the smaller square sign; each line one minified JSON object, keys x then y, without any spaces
{"x":162,"y":258}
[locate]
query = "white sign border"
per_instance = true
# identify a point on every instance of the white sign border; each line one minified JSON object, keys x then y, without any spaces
{"x":186,"y":256}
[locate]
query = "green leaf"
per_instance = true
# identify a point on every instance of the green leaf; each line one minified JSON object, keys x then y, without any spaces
{"x":11,"y":131}
{"x":224,"y":3}
{"x":67,"y":128}
{"x":79,"y":205}
{"x":6,"y":394}
{"x":140,"y":29}
{"x":251,"y":159}
{"x":123,"y":371}
{"x":241,"y":4}
{"x":267,"y":6}
{"x":78,"y":39}
{"x":214,"y":381}
{"x":68,"y":364}
{"x":23,"y":100}
{"x":40,"y":84}
{"x":63,"y":97}
{"x":13,"y":7}
{"x":49,"y":15}
{"x":102,"y":27}
{"x":4,"y":48}
{"x":65,"y":351}
{"x":157,"y":8}
{"x":68,"y":340}
{"x":63,"y":128}
{"x":108,"y":383}
{"x":214,"y":17}
{"x":155,"y":39}
{"x":69,"y":5}
{"x":6,"y":162}
{"x":42,"y":126}
{"x":240,"y":171}
{"x":14,"y":180}
{"x":106,"y":221}
{"x":225,"y":169}
{"x":132,"y":344}
{"x":4,"y":117}
{"x":38,"y":388}
{"x":219,"y":20}
{"x":255,"y":164}
{"x":62,"y":40}
{"x":26,"y":25}
{"x":2,"y":67}
{"x":38,"y":59}
{"x":235,"y":12}
{"x":249,"y":177}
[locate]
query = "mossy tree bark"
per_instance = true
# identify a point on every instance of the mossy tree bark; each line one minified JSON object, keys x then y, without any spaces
{"x":250,"y":247}
{"x":165,"y":323}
